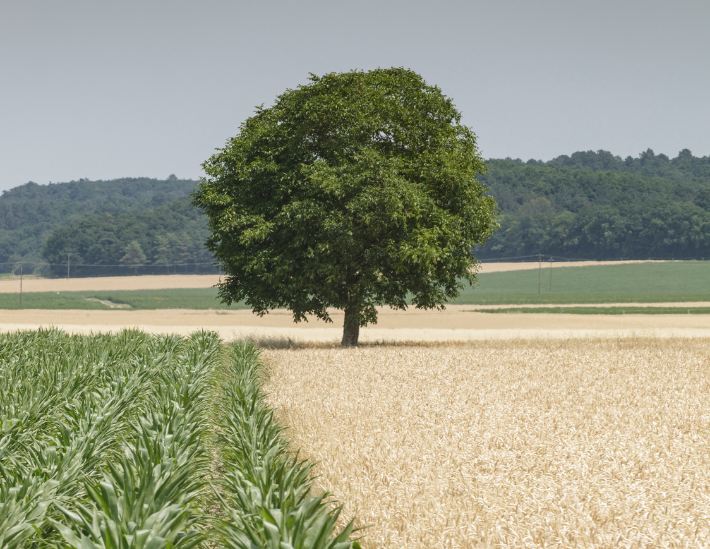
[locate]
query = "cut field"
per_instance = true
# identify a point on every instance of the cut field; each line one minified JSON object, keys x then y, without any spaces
{"x":591,"y":443}
{"x":455,"y":323}
{"x":11,"y":285}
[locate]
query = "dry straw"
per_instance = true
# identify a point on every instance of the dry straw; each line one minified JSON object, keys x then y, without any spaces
{"x":519,"y":444}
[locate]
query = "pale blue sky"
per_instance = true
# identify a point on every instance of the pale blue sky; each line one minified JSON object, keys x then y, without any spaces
{"x":99,"y":89}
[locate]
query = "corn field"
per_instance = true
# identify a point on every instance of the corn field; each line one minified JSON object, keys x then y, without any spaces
{"x":134,"y":441}
{"x":557,"y":444}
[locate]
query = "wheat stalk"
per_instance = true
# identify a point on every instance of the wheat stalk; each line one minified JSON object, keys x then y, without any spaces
{"x":509,"y":444}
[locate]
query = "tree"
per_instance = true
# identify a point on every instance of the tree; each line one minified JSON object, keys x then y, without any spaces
{"x":16,"y":263}
{"x":355,"y":190}
{"x":179,"y":249}
{"x":161,"y":255}
{"x":134,"y":256}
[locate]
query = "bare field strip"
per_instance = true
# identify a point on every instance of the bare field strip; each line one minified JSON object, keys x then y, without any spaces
{"x":165,"y":282}
{"x":453,"y":324}
{"x":533,"y":265}
{"x":573,"y":443}
{"x":107,"y":283}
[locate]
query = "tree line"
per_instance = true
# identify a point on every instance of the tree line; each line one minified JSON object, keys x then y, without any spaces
{"x":30,"y":213}
{"x":598,"y":206}
{"x":164,"y":240}
{"x":589,"y":204}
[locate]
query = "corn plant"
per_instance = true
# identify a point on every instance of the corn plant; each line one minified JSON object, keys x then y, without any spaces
{"x":103,"y":446}
{"x":149,"y":501}
{"x":71,"y":407}
{"x":58,"y":418}
{"x":265,"y":490}
{"x":23,"y":505}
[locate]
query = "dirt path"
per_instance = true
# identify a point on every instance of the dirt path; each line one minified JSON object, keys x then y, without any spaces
{"x":453,"y":324}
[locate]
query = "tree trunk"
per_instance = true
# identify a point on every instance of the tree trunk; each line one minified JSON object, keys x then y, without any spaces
{"x":351,"y":328}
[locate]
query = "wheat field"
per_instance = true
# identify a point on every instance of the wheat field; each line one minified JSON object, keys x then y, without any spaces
{"x":572,"y":443}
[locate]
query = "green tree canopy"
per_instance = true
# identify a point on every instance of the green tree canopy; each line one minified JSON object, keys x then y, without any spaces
{"x":134,"y":255}
{"x":356,"y":190}
{"x":167,"y":235}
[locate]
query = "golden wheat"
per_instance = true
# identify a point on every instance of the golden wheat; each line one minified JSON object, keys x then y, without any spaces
{"x":509,"y":444}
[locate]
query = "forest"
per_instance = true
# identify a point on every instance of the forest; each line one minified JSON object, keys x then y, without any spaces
{"x":30,"y":214}
{"x":588,"y":205}
{"x":594,"y":205}
{"x":163,"y":240}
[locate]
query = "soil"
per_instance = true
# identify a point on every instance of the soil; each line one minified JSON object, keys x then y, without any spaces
{"x":530,"y":265}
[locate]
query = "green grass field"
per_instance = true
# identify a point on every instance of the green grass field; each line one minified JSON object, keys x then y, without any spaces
{"x":634,"y":283}
{"x":624,"y":310}
{"x":631,"y":283}
{"x":49,"y":300}
{"x":189,"y":298}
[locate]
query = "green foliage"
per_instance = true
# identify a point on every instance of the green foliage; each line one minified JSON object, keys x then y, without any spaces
{"x":166,"y":235}
{"x":589,"y":204}
{"x":103,"y":445}
{"x":266,"y":489}
{"x":352,"y":191}
{"x":31,"y":212}
{"x":134,"y":255}
{"x":594,"y":205}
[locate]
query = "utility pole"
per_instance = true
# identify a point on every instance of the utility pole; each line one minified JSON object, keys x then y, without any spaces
{"x":68,"y":263}
{"x":539,"y":274}
{"x":20,"y":284}
{"x":551,"y":260}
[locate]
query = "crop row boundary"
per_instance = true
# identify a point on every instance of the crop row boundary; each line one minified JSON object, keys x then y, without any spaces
{"x":265,"y":488}
{"x":152,"y":484}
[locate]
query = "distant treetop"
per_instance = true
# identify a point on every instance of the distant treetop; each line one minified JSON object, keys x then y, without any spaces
{"x":683,"y":166}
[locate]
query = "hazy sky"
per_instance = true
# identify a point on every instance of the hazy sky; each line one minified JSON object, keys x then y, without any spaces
{"x":105,"y":89}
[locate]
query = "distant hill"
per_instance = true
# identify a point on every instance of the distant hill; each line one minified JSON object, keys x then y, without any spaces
{"x":30,"y":213}
{"x":588,"y":205}
{"x":596,"y":205}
